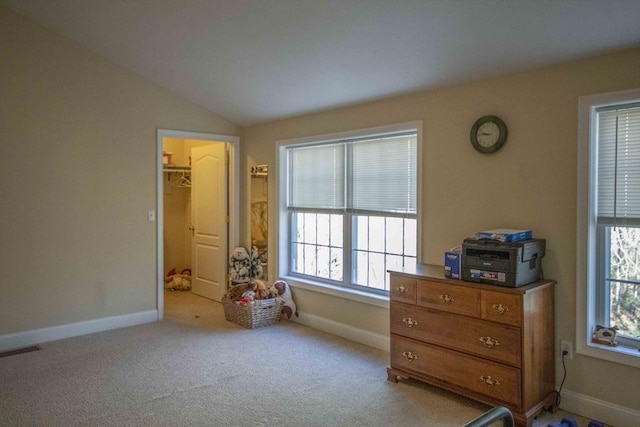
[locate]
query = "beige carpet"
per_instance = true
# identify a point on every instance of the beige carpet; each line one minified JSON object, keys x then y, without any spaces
{"x":196,"y":369}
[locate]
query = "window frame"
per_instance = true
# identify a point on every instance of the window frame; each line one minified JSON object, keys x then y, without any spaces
{"x":282,"y":263}
{"x":587,"y":248}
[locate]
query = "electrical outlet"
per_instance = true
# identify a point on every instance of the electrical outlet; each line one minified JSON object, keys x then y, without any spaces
{"x":568,"y":347}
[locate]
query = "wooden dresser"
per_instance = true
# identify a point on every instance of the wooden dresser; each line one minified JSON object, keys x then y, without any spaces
{"x":490,"y":343}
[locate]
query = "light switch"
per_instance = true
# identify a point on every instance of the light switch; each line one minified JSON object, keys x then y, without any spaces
{"x":151,"y":215}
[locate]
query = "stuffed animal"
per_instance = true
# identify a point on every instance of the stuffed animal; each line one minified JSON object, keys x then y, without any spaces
{"x":283,"y":291}
{"x":240,"y":265}
{"x":244,"y":267}
{"x":235,"y":291}
{"x":255,"y":269}
{"x":178,"y":281}
{"x":247,"y":298}
{"x":261,"y":290}
{"x":605,"y":335}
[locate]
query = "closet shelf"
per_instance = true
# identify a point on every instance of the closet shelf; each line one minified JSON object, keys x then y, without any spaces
{"x":171,"y":168}
{"x":182,"y":177}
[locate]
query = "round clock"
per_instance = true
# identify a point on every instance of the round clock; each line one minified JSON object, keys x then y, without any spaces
{"x":488,"y":134}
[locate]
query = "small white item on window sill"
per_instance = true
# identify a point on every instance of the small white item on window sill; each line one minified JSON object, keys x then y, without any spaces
{"x":605,"y":335}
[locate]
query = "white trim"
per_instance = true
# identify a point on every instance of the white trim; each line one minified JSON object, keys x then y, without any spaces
{"x":339,"y":292}
{"x":596,"y":409}
{"x":233,"y":145}
{"x":585,"y":231}
{"x":373,"y":131}
{"x":53,"y":333}
{"x":371,"y":339}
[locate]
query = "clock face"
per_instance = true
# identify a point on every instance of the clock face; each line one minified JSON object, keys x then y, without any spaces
{"x":488,"y":134}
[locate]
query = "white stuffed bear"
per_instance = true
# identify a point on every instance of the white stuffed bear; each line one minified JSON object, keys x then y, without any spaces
{"x":244,"y":267}
{"x":240,"y":265}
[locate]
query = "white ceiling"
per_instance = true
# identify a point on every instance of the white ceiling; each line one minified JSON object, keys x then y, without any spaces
{"x":253,"y":61}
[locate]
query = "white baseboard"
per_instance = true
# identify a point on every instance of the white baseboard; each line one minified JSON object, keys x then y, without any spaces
{"x":38,"y":336}
{"x":361,"y":336}
{"x":596,"y":409}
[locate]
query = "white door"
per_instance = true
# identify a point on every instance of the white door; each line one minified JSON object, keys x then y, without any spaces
{"x":208,"y":220}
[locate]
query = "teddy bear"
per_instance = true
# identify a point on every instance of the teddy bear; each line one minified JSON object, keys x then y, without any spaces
{"x":235,"y":292}
{"x":247,"y":298}
{"x":178,"y":281}
{"x":261,"y":290}
{"x":244,"y":266}
{"x":240,"y":265}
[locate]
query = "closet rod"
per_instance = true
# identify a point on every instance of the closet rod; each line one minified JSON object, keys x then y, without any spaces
{"x":177,"y":169}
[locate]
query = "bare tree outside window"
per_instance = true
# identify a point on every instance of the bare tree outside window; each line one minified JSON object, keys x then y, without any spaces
{"x":624,"y":280}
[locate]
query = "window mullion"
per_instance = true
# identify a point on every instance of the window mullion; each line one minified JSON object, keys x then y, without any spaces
{"x":605,"y":289}
{"x":347,"y":220}
{"x":348,"y":234}
{"x":602,"y":267}
{"x":316,"y":246}
{"x":293,"y":255}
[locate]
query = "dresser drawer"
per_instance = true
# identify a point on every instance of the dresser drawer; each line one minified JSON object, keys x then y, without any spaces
{"x":496,"y":381}
{"x":490,"y":340}
{"x":451,"y":298}
{"x":403,"y":289}
{"x":501,"y":307}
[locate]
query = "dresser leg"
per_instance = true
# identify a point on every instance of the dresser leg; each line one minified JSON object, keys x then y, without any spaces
{"x":551,"y":403}
{"x":394,"y":376}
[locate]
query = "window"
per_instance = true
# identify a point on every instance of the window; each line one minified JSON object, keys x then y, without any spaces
{"x":350,"y":209}
{"x":609,"y":218}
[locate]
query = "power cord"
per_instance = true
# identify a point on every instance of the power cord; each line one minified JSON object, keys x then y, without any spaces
{"x":564,"y":376}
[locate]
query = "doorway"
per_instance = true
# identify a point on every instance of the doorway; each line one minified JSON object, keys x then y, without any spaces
{"x":210,"y":231}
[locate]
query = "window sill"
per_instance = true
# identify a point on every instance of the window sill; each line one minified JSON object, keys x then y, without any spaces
{"x":623,"y":355}
{"x":336,"y":291}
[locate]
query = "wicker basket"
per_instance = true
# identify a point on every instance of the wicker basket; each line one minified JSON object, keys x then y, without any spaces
{"x":261,"y":313}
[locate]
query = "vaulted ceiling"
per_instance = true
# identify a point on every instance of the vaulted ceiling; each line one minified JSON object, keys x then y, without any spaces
{"x":253,"y":61}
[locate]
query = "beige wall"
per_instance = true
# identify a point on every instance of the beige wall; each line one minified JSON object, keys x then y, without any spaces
{"x":77,"y":177}
{"x":78,"y":169}
{"x":530,"y":183}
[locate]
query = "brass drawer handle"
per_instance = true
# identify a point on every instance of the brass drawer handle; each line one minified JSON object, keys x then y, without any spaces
{"x":448,"y":299}
{"x":489,"y":342}
{"x":489,"y":381}
{"x":402,"y":289}
{"x":409,"y":355}
{"x":409,"y":322}
{"x":501,"y":309}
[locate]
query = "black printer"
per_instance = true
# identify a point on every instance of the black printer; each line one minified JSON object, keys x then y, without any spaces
{"x":510,"y":264}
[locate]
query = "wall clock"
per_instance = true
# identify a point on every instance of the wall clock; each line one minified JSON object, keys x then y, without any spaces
{"x":488,"y":134}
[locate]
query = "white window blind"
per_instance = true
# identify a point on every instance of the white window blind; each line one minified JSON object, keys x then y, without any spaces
{"x":384,"y":175}
{"x":376,"y":174}
{"x":619,"y":165}
{"x":317,"y":177}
